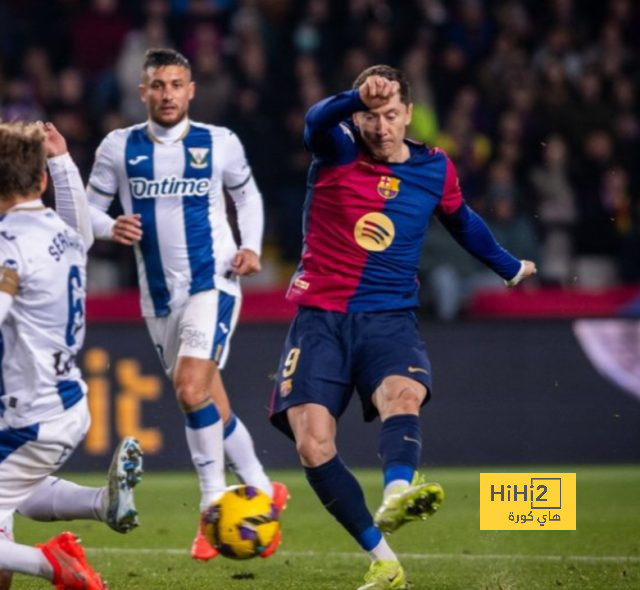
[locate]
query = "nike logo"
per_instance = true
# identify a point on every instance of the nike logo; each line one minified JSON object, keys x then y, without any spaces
{"x":205,"y":463}
{"x":409,"y":439}
{"x":418,"y":370}
{"x":137,"y":160}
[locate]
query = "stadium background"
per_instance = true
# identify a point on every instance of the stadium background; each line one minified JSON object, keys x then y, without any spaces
{"x":537,"y":104}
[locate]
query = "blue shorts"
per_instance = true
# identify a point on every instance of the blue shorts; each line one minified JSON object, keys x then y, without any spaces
{"x":328,"y":355}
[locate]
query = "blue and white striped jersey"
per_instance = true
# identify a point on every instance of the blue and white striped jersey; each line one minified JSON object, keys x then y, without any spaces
{"x":174,"y":178}
{"x":43,"y":331}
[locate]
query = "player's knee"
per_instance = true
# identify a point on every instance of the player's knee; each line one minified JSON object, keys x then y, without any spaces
{"x":315,"y":450}
{"x":405,"y":400}
{"x":189,"y":394}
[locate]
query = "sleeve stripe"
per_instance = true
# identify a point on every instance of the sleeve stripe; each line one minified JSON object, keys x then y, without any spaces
{"x":101,"y":192}
{"x":9,"y":281}
{"x":237,"y":186}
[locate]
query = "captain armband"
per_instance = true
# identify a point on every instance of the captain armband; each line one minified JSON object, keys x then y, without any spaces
{"x":9,"y":280}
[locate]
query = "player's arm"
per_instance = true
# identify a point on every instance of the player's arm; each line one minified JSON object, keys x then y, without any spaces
{"x":101,"y":190}
{"x":325,"y":132}
{"x":473,"y":234}
{"x":70,"y":196}
{"x":239,"y":182}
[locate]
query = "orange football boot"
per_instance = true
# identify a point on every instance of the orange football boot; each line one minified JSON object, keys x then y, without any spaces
{"x":280,"y":498}
{"x":70,"y":568}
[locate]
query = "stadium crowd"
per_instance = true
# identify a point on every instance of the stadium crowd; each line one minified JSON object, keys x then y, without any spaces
{"x":535,"y":101}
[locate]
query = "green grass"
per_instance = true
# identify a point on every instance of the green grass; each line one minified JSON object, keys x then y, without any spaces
{"x":447,"y":552}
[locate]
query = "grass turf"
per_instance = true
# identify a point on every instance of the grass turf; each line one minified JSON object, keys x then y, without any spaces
{"x":447,"y":552}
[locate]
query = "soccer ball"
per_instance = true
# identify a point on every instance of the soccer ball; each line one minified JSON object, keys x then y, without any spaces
{"x":242,"y":522}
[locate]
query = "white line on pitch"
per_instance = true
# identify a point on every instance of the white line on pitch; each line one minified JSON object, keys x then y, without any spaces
{"x":418,"y":556}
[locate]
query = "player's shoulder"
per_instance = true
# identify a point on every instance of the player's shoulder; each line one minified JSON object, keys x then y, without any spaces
{"x":118,"y":137}
{"x":219,"y":133}
{"x":438,"y":153}
{"x":26,"y":229}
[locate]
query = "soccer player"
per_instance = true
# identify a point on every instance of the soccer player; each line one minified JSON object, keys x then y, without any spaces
{"x":169,"y":174}
{"x":43,"y":408}
{"x":371,"y":196}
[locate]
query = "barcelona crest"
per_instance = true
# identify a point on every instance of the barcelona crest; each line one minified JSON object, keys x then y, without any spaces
{"x":388,"y":187}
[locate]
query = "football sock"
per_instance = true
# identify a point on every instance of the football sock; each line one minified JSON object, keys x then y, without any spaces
{"x":24,"y":560}
{"x":204,"y":438}
{"x":400,"y":447}
{"x":341,"y":494}
{"x":241,"y":455}
{"x":59,"y":499}
{"x":382,"y":551}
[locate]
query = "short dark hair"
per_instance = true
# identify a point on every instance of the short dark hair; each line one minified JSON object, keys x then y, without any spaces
{"x":389,"y":73}
{"x":22,"y":159}
{"x":157,"y":58}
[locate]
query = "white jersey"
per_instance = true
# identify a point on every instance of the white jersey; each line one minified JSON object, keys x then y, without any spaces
{"x":176,"y":184}
{"x":43,"y":265}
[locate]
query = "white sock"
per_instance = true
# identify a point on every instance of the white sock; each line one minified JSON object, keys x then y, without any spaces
{"x":382,"y":551}
{"x":24,"y":560}
{"x":241,"y":455}
{"x":207,"y":454}
{"x":395,"y":486}
{"x":59,"y":499}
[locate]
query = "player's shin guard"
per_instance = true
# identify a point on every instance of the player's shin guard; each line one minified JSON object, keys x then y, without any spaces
{"x":204,"y":438}
{"x":341,"y":494}
{"x":241,"y":455}
{"x":400,"y":449}
{"x":59,"y":499}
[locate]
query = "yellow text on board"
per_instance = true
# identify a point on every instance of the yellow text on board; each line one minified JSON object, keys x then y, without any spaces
{"x":527,"y":501}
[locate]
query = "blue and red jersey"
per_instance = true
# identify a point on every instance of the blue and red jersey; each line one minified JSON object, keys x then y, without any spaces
{"x":365,"y":221}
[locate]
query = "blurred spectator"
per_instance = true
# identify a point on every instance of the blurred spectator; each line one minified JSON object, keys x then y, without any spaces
{"x":98,"y":35}
{"x":556,"y":211}
{"x":450,"y":277}
{"x":129,"y":63}
{"x":540,"y":96}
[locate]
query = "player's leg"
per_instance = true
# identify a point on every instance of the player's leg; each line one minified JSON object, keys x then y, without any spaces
{"x":60,"y":560}
{"x":21,"y":559}
{"x":238,"y":444}
{"x":185,"y":343}
{"x":204,"y":433}
{"x":406,"y":496}
{"x":193,"y":381}
{"x":59,"y":499}
{"x":27,"y":456}
{"x":393,"y":382}
{"x":314,"y":429}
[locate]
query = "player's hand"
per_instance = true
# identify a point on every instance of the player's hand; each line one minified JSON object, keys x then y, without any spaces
{"x":54,"y":143}
{"x":376,"y":91}
{"x":245,"y":263}
{"x":127,"y":229}
{"x":527,"y":269}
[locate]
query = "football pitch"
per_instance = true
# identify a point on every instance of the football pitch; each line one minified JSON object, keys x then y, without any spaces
{"x":446,"y":552}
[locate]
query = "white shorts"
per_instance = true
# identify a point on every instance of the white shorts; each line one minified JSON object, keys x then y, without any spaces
{"x":202,"y":329}
{"x":28,"y":455}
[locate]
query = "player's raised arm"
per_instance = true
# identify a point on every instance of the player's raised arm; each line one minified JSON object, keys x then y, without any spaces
{"x":70,"y":196}
{"x":325,"y":131}
{"x":473,"y":234}
{"x":240,"y":184}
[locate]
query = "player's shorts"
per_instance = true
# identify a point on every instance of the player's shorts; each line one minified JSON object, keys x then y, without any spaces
{"x":201,"y":328}
{"x":29,"y":454}
{"x":329,"y":354}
